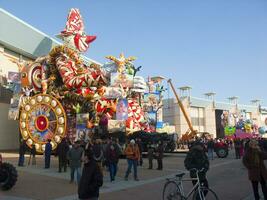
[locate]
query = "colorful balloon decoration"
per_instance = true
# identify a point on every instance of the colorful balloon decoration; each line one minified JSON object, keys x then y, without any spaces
{"x":263,"y":130}
{"x":229,"y":130}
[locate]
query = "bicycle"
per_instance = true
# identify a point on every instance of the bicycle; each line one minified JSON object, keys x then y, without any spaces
{"x":173,"y":189}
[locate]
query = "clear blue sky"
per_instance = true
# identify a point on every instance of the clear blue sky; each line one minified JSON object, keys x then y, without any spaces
{"x":211,"y":45}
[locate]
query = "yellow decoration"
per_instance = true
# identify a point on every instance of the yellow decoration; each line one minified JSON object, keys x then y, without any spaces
{"x":121,"y":61}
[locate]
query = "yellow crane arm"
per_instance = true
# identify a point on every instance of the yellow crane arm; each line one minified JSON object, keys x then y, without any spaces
{"x":193,"y":132}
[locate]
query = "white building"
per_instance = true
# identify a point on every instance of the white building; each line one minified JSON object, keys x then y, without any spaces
{"x":206,"y":114}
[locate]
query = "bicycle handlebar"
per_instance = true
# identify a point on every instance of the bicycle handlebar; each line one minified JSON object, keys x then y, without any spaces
{"x":197,"y":170}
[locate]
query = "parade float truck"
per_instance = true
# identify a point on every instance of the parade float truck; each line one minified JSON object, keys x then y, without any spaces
{"x":61,"y":95}
{"x":220,"y":148}
{"x":8,"y":175}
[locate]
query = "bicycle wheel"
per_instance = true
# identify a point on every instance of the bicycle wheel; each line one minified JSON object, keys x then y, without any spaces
{"x":171,"y":191}
{"x":205,"y":194}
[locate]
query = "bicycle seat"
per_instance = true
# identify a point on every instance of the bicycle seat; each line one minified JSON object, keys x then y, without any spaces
{"x":180,"y":175}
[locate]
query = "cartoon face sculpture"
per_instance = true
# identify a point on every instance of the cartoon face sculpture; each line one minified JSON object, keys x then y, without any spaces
{"x":73,"y":35}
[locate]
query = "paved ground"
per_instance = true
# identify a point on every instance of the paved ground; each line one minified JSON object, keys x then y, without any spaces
{"x":227,"y":177}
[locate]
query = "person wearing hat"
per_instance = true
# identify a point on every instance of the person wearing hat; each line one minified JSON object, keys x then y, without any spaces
{"x":254,"y":162}
{"x":133,"y":156}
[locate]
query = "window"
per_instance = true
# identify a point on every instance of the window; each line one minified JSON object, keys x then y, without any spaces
{"x":197,"y":118}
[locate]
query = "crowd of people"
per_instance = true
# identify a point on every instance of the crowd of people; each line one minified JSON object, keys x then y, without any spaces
{"x":88,"y":160}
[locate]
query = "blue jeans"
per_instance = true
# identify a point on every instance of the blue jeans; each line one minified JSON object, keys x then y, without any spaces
{"x":113,"y":170}
{"x":210,"y":154}
{"x":131,"y":163}
{"x":78,"y":172}
{"x":21,"y":160}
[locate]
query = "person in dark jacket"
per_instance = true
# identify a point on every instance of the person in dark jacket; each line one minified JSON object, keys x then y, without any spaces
{"x":91,"y":179}
{"x":48,"y":151}
{"x":197,"y":158}
{"x":150,"y":155}
{"x":237,"y":144}
{"x":74,"y":156}
{"x":254,"y":162}
{"x":62,"y":151}
{"x":112,"y":157}
{"x":159,"y":155}
{"x":22,"y":150}
{"x":32,"y":155}
{"x":140,"y":146}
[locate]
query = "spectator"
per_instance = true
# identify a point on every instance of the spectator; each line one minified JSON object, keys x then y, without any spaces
{"x":140,"y":146}
{"x":210,"y":147}
{"x":113,"y":154}
{"x":254,"y":162}
{"x":231,"y":143}
{"x":62,"y":151}
{"x":32,"y":156}
{"x":91,"y":179}
{"x":119,"y":146}
{"x":22,"y":151}
{"x":47,"y":153}
{"x":197,"y":158}
{"x":150,"y":155}
{"x":159,"y":155}
{"x":242,"y":143}
{"x":104,"y":147}
{"x":237,"y":144}
{"x":98,"y":153}
{"x":133,"y":155}
{"x":75,"y":158}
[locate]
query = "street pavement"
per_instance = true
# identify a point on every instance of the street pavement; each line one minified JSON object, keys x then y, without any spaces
{"x":227,"y":177}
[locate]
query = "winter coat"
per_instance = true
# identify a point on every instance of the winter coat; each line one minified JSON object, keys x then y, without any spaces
{"x":98,"y":153}
{"x":256,"y":167}
{"x":197,"y":158}
{"x":62,"y":149}
{"x":132,"y":152}
{"x":91,"y":181}
{"x":112,"y":153}
{"x":140,"y":146}
{"x":150,"y":152}
{"x":210,"y":144}
{"x":22,"y":148}
{"x":75,"y":157}
{"x":159,"y":151}
{"x":48,"y":149}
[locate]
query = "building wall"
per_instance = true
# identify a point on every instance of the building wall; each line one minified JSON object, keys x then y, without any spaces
{"x":9,"y":131}
{"x":202,"y":114}
{"x":210,"y":121}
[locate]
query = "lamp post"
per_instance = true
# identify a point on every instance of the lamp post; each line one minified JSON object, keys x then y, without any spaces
{"x":211,"y":95}
{"x":256,"y":102}
{"x":234,"y":100}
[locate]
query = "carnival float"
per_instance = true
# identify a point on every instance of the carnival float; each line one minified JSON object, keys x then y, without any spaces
{"x":238,"y":125}
{"x":60,"y":95}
